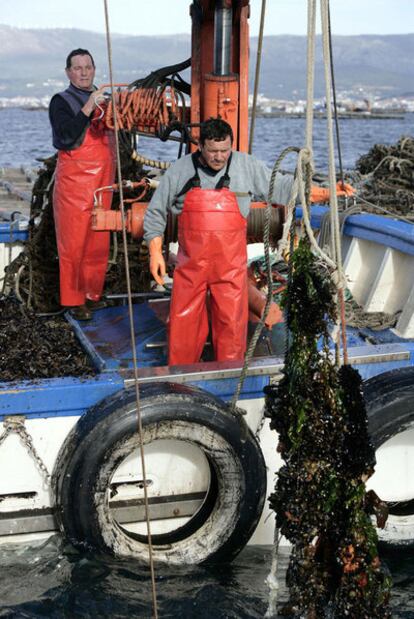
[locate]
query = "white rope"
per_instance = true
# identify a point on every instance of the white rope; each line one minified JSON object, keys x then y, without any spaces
{"x":310,"y":79}
{"x":333,"y":201}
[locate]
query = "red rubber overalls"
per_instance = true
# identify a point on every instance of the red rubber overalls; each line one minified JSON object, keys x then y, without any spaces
{"x":83,"y":253}
{"x":212,"y":258}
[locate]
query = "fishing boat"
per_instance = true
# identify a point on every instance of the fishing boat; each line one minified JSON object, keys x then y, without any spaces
{"x":143,"y":445}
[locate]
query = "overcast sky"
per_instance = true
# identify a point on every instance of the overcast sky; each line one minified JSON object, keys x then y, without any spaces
{"x":140,"y":17}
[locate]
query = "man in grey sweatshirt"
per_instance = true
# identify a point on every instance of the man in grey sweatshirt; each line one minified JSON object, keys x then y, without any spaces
{"x":211,"y":190}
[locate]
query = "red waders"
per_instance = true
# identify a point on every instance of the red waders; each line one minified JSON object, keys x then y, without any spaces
{"x":212,"y":257}
{"x":83,"y":253}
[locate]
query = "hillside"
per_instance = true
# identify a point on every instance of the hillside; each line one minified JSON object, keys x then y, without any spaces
{"x":32,"y":61}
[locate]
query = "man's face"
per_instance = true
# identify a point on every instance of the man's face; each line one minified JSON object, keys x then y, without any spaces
{"x":81,"y":72}
{"x":216,"y":153}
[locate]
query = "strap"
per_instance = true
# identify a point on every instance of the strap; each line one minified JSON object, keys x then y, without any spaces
{"x":192,"y":182}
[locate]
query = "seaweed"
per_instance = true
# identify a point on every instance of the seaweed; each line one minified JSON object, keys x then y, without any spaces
{"x":320,"y":499}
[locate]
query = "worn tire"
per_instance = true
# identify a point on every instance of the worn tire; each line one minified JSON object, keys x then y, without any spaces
{"x":389,"y":401}
{"x":106,"y":434}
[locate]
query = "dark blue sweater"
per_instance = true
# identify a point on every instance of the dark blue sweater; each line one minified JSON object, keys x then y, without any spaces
{"x":69,"y":123}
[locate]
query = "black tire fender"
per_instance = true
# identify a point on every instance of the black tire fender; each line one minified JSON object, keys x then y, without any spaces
{"x":107,"y":433}
{"x":389,"y":400}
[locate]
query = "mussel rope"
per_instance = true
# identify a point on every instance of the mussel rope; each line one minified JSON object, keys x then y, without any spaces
{"x":307,"y":165}
{"x":257,"y":75}
{"x":271,"y":579}
{"x":130,"y":312}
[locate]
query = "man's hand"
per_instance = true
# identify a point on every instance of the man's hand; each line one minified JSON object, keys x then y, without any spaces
{"x":344,"y":189}
{"x":157,"y":262}
{"x":97,"y":96}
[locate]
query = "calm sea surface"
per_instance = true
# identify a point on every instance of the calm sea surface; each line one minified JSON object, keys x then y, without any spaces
{"x":52,"y":579}
{"x":25,"y":136}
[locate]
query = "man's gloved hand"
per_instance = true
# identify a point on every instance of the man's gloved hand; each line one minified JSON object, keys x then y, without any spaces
{"x":322,"y":194}
{"x":157,"y":262}
{"x":344,"y":189}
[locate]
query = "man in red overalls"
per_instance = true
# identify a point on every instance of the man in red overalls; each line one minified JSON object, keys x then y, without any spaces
{"x":85,"y":162}
{"x":212,"y":257}
{"x":211,"y":191}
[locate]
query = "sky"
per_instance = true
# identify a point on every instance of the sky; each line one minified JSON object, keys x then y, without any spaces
{"x":152,"y":17}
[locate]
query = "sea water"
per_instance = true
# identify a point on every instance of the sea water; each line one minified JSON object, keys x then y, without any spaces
{"x":25,"y":137}
{"x":54,"y":580}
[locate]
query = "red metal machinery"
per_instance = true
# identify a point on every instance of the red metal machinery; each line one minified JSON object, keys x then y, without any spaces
{"x":219,"y":87}
{"x":220,"y":64}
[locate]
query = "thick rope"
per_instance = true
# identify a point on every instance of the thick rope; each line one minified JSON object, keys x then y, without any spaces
{"x":280,"y":248}
{"x":300,"y":187}
{"x":130,"y":312}
{"x":152,"y":163}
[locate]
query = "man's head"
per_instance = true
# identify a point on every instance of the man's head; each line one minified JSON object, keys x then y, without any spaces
{"x":80,"y":69}
{"x":216,"y":139}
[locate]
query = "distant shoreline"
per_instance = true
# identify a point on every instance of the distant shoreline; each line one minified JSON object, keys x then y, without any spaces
{"x":276,"y":114}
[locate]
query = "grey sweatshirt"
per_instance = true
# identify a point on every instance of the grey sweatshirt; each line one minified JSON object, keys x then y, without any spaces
{"x":249,"y":179}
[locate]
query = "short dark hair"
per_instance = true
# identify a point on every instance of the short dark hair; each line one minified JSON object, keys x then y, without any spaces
{"x":215,"y":129}
{"x":78,"y":52}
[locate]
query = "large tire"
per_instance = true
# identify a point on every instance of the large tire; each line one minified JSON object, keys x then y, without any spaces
{"x":389,"y":401}
{"x":105,"y":436}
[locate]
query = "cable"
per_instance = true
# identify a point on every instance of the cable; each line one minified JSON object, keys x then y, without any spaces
{"x":131,"y":318}
{"x":338,"y":140}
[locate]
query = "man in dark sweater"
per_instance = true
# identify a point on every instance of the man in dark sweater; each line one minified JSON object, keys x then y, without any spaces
{"x":85,"y":163}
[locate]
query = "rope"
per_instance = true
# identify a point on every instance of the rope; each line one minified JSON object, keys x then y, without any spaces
{"x":300,"y":187}
{"x":281,"y":246}
{"x":152,"y":163}
{"x":257,"y":75}
{"x":302,"y":184}
{"x":336,"y":233}
{"x":130,"y":312}
{"x":338,"y":140}
{"x":310,"y":78}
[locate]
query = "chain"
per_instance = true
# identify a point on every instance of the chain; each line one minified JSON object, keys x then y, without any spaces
{"x":16,"y":424}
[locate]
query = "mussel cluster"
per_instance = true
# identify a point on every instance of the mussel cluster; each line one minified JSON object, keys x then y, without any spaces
{"x":33,"y":347}
{"x":320,"y":499}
